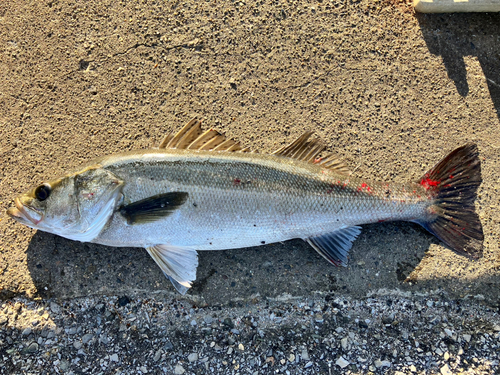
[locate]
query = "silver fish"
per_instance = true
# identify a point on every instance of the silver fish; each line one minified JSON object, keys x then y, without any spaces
{"x":201,"y":191}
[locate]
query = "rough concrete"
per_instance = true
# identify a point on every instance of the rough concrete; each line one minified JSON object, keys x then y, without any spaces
{"x":390,"y":91}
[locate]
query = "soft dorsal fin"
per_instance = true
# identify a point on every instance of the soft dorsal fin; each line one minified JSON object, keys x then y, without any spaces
{"x":192,"y":137}
{"x":309,"y":150}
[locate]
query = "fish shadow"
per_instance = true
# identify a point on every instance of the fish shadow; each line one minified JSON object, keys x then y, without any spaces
{"x":455,"y":36}
{"x":383,"y":257}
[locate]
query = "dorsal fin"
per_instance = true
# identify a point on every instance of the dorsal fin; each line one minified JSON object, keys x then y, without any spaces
{"x":192,"y":137}
{"x":309,"y":150}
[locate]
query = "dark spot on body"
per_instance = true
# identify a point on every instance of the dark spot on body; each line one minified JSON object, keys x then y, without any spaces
{"x":262,"y":242}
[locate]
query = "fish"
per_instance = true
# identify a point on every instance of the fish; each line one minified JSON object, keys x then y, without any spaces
{"x":202,"y":191}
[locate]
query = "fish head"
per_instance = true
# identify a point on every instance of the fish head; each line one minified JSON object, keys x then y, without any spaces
{"x":76,"y":206}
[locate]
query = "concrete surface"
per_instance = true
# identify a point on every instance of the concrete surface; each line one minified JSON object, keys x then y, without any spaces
{"x":392,"y":92}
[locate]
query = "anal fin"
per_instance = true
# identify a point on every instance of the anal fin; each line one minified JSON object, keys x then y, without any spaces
{"x":179,"y":264}
{"x":335,"y":246}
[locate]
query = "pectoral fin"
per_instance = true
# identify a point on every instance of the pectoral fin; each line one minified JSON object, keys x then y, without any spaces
{"x":179,"y":264}
{"x":335,"y":246}
{"x":153,"y":208}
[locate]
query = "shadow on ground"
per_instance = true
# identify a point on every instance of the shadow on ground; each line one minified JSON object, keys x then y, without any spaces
{"x":382,"y":257}
{"x":446,"y":36}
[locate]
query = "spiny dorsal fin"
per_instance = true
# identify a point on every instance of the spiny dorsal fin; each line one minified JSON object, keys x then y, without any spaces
{"x":309,"y":150}
{"x":192,"y":137}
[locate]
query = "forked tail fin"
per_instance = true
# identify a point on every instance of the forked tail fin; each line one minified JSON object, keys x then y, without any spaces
{"x":453,"y":218}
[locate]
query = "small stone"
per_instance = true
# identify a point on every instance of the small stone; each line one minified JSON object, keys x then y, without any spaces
{"x":143,"y":369}
{"x":496,"y":328}
{"x":208,"y":319}
{"x":168,"y":346}
{"x":241,"y":347}
{"x":32,"y":348}
{"x":77,"y":345}
{"x":235,"y":331}
{"x":445,"y":370}
{"x":308,"y":364}
{"x":413,"y":368}
{"x":291,"y":357}
{"x":344,"y":343}
{"x":55,"y":308}
{"x":304,"y":355}
{"x":467,"y":337}
{"x":446,"y":356}
{"x":87,"y":337}
{"x":71,"y":331}
{"x":26,"y":331}
{"x":230,"y":351}
{"x":319,"y":318}
{"x":193,"y":357}
{"x":157,"y":356}
{"x":378,"y":363}
{"x":448,"y":332}
{"x":228,"y":322}
{"x":113,"y":357}
{"x":179,"y":370}
{"x":193,"y":322}
{"x":388,"y":319}
{"x":64,"y":365}
{"x":342,"y":362}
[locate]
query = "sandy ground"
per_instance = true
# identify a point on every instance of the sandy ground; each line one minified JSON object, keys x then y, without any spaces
{"x":390,"y":91}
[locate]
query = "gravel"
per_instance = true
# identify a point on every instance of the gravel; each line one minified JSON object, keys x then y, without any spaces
{"x":156,"y":335}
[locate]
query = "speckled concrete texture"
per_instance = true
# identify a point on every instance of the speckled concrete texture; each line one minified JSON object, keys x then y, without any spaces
{"x":390,"y":91}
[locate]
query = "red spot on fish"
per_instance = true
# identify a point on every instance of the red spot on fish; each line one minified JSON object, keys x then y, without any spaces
{"x":451,"y":176}
{"x":236,"y":182}
{"x":429,"y":183}
{"x":366,"y":187}
{"x":318,"y":160}
{"x":381,"y":221}
{"x":447,"y":185}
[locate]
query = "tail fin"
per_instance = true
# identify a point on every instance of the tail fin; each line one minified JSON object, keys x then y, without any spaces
{"x":454,"y":181}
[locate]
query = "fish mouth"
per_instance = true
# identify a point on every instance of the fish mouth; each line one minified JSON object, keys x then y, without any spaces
{"x":24,"y":213}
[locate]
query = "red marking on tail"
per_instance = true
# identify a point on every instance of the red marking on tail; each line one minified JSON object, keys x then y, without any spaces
{"x":429,"y":183}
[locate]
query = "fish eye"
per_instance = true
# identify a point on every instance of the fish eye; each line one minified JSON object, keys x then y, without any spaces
{"x":42,"y":192}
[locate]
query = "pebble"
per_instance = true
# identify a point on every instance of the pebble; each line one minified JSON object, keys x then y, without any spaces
{"x":344,"y":343}
{"x":304,"y":355}
{"x":341,"y":362}
{"x":179,"y":370}
{"x":55,"y":308}
{"x":416,"y":345}
{"x":31,"y":348}
{"x":86,"y":338}
{"x":378,"y":363}
{"x":445,"y":370}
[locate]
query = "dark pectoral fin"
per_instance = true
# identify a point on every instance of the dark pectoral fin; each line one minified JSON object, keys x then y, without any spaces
{"x":335,"y":246}
{"x":153,"y":208}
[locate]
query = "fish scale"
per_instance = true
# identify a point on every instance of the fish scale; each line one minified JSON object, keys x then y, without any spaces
{"x":201,"y":191}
